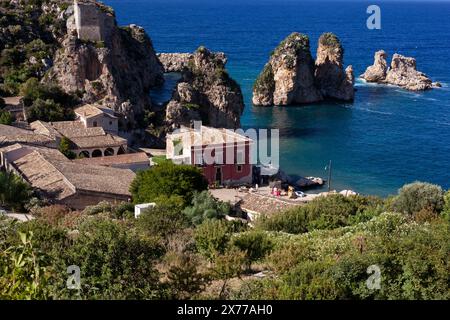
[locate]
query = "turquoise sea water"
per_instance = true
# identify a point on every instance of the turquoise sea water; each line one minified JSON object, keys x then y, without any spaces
{"x":386,"y":138}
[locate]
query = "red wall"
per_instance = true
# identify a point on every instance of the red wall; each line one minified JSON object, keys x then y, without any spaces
{"x":229,"y":171}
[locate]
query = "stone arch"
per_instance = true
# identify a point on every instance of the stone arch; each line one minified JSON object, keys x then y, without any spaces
{"x":97,"y":153}
{"x":121,"y":150}
{"x":109,"y":152}
{"x":84,"y":154}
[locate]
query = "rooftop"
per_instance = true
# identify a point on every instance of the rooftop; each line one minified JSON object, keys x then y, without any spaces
{"x":209,"y":136}
{"x":128,"y":158}
{"x":58,"y":177}
{"x":89,"y":111}
{"x":10,"y":134}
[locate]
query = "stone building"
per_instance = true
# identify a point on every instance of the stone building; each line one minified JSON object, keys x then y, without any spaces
{"x":92,"y":24}
{"x":230,"y":152}
{"x":85,"y":142}
{"x":60,"y":180}
{"x":95,"y":116}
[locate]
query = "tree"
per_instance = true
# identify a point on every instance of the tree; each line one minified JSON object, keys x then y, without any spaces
{"x":184,"y":278}
{"x":5,"y":117}
{"x":205,"y":206}
{"x":48,"y":110}
{"x":228,"y":265}
{"x":116,"y":263}
{"x":212,"y":238}
{"x":13,"y":191}
{"x":164,"y":219}
{"x":33,"y":90}
{"x":417,"y":196}
{"x":65,"y":146}
{"x":256,"y":245}
{"x":167,"y":179}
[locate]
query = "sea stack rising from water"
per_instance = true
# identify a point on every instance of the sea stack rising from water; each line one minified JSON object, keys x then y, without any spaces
{"x":403,"y":73}
{"x":206,"y":92}
{"x":111,"y":65}
{"x":292,"y":77}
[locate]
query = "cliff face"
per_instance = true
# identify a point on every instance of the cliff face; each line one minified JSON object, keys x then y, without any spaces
{"x":332,"y":80}
{"x":402,"y":72}
{"x":206,"y":92}
{"x":292,"y":77}
{"x":377,"y":72}
{"x":113,"y":66}
{"x":177,"y":62}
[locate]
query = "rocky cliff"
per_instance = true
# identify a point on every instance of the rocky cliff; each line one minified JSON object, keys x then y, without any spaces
{"x":402,"y":72}
{"x":206,"y":92}
{"x":292,"y":77}
{"x":177,"y":62}
{"x":111,"y":65}
{"x":332,"y":80}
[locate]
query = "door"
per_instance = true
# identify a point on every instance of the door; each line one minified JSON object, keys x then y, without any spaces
{"x":219,"y":175}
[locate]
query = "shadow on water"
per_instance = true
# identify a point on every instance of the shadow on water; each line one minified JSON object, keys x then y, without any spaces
{"x":162,"y":94}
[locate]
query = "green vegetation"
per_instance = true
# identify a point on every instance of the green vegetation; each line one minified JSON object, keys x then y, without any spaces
{"x":65,"y":146}
{"x":329,"y":39}
{"x":265,"y":81}
{"x":322,"y":250}
{"x":28,"y":42}
{"x":167,"y":179}
{"x":14,"y":193}
{"x":324,"y":213}
{"x":205,"y":206}
{"x":418,"y":196}
{"x":6,"y":117}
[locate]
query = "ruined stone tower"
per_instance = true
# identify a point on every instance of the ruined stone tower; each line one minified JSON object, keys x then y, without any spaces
{"x":93,"y":21}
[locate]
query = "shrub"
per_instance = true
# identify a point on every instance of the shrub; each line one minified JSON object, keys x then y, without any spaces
{"x":162,"y":220}
{"x":14,"y":192}
{"x":327,"y":212}
{"x":116,"y":263}
{"x":212,"y":238}
{"x":167,"y":179}
{"x":256,"y":245}
{"x":205,"y":206}
{"x":65,"y":146}
{"x":22,"y":271}
{"x":5,"y":117}
{"x":417,"y":196}
{"x":49,"y":111}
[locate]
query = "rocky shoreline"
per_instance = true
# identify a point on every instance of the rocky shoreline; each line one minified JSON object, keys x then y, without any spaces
{"x":402,"y":73}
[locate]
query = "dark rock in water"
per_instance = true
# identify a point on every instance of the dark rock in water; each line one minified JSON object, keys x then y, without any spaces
{"x":402,"y":72}
{"x":292,"y":77}
{"x":206,"y":92}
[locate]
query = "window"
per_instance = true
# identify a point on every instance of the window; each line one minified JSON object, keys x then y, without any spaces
{"x":240,"y":157}
{"x":94,"y":123}
{"x":239,"y":168}
{"x":110,"y":123}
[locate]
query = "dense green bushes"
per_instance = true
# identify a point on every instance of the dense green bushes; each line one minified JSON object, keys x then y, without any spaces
{"x":167,"y":179}
{"x":14,"y":193}
{"x":47,"y":102}
{"x":162,"y":254}
{"x":205,"y":206}
{"x":414,"y":197}
{"x":324,"y":213}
